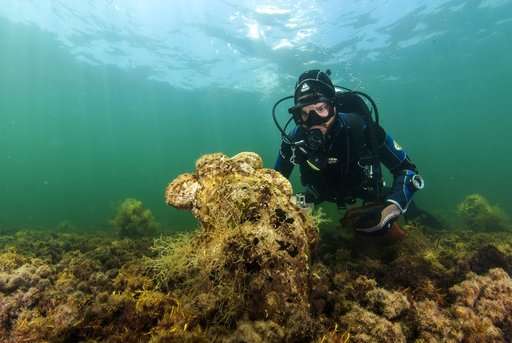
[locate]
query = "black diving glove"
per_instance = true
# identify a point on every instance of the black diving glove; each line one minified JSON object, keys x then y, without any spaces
{"x":372,"y":219}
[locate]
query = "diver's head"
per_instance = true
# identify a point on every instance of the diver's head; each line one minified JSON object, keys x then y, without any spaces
{"x":313,"y":86}
{"x":313,"y":100}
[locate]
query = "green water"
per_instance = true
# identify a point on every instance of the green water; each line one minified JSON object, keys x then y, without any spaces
{"x":76,"y":138}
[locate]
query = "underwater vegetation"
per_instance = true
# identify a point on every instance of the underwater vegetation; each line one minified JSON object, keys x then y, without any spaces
{"x":476,"y":212}
{"x":133,"y":220}
{"x":257,"y":269}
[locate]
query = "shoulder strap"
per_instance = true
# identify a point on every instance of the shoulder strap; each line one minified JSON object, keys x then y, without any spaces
{"x":355,"y":128}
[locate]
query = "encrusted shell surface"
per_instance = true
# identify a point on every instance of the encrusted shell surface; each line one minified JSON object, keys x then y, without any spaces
{"x":276,"y":179}
{"x":212,"y":165}
{"x":182,"y":191}
{"x":246,"y":162}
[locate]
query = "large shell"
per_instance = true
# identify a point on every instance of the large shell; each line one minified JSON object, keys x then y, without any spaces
{"x":182,"y":191}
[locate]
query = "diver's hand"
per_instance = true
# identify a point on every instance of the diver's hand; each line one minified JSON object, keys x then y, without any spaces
{"x":377,"y":219}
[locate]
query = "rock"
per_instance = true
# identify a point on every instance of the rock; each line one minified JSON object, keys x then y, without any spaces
{"x":254,"y":244}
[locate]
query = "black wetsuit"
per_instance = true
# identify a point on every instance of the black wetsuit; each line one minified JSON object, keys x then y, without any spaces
{"x":346,"y":150}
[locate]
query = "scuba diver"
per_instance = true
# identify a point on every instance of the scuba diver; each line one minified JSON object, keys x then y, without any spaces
{"x":339,"y":148}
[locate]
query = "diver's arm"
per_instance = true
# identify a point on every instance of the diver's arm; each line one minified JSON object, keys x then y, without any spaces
{"x":406,"y":180}
{"x":283,"y":163}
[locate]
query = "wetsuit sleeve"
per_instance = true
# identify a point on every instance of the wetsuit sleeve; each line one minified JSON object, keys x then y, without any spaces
{"x":397,"y":161}
{"x":283,"y":164}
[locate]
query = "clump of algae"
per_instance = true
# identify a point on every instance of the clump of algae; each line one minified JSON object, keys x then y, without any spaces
{"x":176,"y":260}
{"x":478,"y":214}
{"x":10,"y":260}
{"x":319,"y":217}
{"x":133,"y":220}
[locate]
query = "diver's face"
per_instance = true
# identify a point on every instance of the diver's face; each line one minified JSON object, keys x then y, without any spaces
{"x":322,"y":109}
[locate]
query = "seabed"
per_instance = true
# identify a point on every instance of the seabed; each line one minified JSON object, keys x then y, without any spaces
{"x":257,"y":269}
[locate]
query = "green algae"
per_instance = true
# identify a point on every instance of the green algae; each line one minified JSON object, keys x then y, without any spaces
{"x":133,"y":220}
{"x":478,"y":213}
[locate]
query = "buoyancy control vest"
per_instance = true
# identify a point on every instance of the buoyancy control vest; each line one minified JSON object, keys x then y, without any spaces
{"x":353,"y":102}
